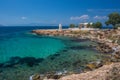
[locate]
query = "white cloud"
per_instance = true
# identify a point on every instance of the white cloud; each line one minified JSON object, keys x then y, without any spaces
{"x":23,"y":18}
{"x":89,"y":10}
{"x":80,"y":17}
{"x":100,"y":17}
{"x":84,"y":17}
{"x":74,"y":18}
{"x":102,"y":10}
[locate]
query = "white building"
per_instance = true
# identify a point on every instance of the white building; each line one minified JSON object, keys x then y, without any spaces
{"x":84,"y":25}
{"x":60,"y":27}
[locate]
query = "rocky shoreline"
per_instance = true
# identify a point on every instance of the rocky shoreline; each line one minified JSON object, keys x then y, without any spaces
{"x":107,"y":72}
{"x":108,"y":43}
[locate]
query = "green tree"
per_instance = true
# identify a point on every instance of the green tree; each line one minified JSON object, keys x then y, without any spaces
{"x":116,"y":26}
{"x":107,"y":23}
{"x":93,"y":25}
{"x":97,"y":25}
{"x":88,"y":25}
{"x":114,"y":18}
{"x":72,"y":25}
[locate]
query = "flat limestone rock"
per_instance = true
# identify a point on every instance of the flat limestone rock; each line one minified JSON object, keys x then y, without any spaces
{"x":107,"y":72}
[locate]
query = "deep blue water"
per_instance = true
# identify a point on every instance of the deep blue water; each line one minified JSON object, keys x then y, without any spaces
{"x":107,"y":27}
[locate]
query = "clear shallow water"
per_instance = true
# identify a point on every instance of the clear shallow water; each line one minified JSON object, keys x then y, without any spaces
{"x":59,"y":53}
{"x":18,"y":42}
{"x":74,"y":57}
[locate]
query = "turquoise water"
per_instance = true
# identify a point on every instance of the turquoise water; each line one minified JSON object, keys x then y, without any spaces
{"x":74,"y":57}
{"x":23,"y":54}
{"x":24,"y":44}
{"x":29,"y":46}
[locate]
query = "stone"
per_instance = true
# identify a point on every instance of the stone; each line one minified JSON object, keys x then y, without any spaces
{"x":53,"y":76}
{"x":108,"y":63}
{"x":36,"y":77}
{"x":91,"y":66}
{"x":94,"y":65}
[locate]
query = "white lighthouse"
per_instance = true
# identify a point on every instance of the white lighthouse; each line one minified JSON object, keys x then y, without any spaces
{"x":60,"y":27}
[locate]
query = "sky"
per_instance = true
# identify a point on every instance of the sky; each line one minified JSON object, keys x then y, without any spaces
{"x":53,"y":12}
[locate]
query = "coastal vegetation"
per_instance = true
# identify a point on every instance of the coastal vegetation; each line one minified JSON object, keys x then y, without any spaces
{"x":113,"y":19}
{"x":72,"y":25}
{"x":89,"y":25}
{"x":97,"y":25}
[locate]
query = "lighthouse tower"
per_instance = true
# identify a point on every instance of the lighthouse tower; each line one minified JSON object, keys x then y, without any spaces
{"x":60,"y":27}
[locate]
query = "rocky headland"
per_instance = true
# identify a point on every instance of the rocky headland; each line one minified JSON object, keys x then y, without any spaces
{"x":108,"y":44}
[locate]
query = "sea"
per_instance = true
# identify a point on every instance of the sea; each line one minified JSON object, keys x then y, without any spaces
{"x":19,"y":41}
{"x":23,"y":53}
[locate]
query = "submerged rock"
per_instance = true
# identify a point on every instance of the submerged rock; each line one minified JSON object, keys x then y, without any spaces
{"x":1,"y":64}
{"x":91,"y":66}
{"x":94,"y":65}
{"x":13,"y":61}
{"x":79,"y":47}
{"x":65,"y":64}
{"x":77,"y":63}
{"x":65,"y":50}
{"x":80,"y":40}
{"x":52,"y":57}
{"x":31,"y":61}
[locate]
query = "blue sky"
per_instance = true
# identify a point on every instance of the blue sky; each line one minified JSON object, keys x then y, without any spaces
{"x":52,"y":12}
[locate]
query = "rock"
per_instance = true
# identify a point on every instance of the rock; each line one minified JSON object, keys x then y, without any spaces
{"x":53,"y":76}
{"x":108,"y":63}
{"x":36,"y":77}
{"x":107,"y":72}
{"x":30,"y":78}
{"x":1,"y":65}
{"x":116,"y":56}
{"x":91,"y":66}
{"x":94,"y":65}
